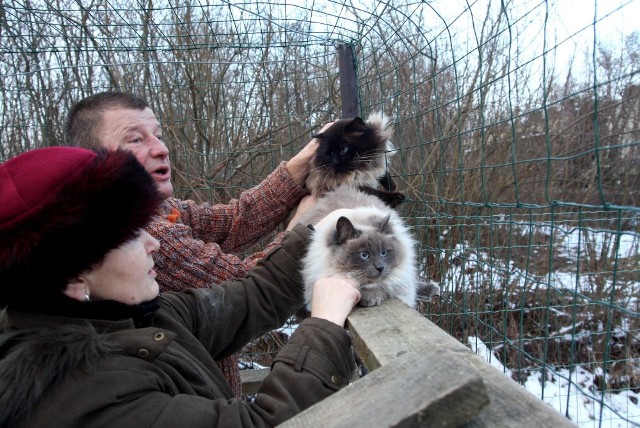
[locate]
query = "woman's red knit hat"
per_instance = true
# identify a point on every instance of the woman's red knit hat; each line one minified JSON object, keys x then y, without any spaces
{"x":62,"y":210}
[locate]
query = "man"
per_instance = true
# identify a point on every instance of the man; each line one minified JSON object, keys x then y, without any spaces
{"x":198,"y":242}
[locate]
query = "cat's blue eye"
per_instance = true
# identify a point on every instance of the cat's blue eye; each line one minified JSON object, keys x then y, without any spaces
{"x":364,"y":255}
{"x":383,"y":253}
{"x":344,"y":150}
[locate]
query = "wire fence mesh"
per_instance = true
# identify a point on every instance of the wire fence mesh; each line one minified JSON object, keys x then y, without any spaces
{"x":516,"y":123}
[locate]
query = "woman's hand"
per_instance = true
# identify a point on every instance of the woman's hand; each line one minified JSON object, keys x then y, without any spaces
{"x":333,"y":298}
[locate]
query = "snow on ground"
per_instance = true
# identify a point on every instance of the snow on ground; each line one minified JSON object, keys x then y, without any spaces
{"x":574,"y":394}
{"x":571,"y":392}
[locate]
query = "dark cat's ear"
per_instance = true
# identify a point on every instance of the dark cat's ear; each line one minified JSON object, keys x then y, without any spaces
{"x":384,"y":225}
{"x":344,"y":231}
{"x":357,"y":125}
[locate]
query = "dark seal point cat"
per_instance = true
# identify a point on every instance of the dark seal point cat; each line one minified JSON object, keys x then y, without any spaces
{"x":355,"y":152}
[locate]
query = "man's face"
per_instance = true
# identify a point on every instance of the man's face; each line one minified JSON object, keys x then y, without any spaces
{"x":139,"y":132}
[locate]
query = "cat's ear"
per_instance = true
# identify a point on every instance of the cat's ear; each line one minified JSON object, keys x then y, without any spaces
{"x":384,"y":225}
{"x":344,"y":231}
{"x":357,"y":125}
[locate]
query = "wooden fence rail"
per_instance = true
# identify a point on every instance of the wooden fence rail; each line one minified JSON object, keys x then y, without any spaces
{"x":420,"y":376}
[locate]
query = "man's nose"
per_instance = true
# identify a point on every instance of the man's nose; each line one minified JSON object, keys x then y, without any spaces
{"x":158,"y":148}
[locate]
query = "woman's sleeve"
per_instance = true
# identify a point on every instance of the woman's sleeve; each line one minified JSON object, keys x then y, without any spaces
{"x":315,"y":363}
{"x":226,"y":317}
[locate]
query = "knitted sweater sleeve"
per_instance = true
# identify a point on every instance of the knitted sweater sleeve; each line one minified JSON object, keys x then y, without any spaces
{"x":197,"y":241}
{"x":243,"y":221}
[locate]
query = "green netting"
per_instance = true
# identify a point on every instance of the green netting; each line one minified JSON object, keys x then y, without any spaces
{"x":517,"y":127}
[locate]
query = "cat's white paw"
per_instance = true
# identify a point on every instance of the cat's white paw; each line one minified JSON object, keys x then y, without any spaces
{"x":372,"y":297}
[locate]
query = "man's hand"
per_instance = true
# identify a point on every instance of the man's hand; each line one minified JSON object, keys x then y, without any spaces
{"x":299,"y":165}
{"x":305,"y":205}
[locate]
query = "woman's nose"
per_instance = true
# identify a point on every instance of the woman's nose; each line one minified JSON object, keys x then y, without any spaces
{"x":151,"y":243}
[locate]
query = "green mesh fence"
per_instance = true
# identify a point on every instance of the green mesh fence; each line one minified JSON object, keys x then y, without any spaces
{"x":516,"y":122}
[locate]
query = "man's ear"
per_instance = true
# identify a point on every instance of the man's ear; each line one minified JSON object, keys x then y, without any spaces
{"x":77,"y":288}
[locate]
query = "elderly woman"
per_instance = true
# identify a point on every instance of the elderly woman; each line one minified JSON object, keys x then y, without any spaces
{"x":85,"y":339}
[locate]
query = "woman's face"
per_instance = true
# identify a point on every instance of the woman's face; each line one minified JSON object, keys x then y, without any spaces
{"x":126,"y":274}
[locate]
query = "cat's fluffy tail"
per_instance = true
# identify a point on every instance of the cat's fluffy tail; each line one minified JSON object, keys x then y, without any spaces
{"x":380,"y":122}
{"x":428,"y":290}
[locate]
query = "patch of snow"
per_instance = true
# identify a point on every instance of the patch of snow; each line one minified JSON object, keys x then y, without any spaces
{"x":574,"y":394}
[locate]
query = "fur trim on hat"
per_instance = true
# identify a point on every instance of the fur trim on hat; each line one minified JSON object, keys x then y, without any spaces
{"x":93,"y":212}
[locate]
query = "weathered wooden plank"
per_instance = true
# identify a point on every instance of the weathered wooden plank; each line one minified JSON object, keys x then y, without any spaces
{"x":382,"y":333}
{"x":348,"y":85}
{"x":409,"y":391}
{"x":252,"y":379}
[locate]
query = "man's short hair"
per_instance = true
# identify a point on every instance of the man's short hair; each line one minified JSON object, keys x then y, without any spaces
{"x":85,"y":116}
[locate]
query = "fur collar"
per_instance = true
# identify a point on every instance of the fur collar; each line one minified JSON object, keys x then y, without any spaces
{"x":36,"y":360}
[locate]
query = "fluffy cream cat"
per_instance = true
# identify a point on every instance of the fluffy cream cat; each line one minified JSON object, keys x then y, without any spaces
{"x":365,"y":239}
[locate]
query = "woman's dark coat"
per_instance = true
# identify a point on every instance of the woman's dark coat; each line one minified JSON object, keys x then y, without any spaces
{"x":72,"y":372}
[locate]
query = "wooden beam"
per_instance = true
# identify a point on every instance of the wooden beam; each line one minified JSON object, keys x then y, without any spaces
{"x":409,"y":391}
{"x":382,"y":333}
{"x":252,"y":379}
{"x":421,"y":376}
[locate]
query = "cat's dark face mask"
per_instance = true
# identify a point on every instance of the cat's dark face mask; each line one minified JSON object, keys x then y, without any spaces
{"x":347,"y":145}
